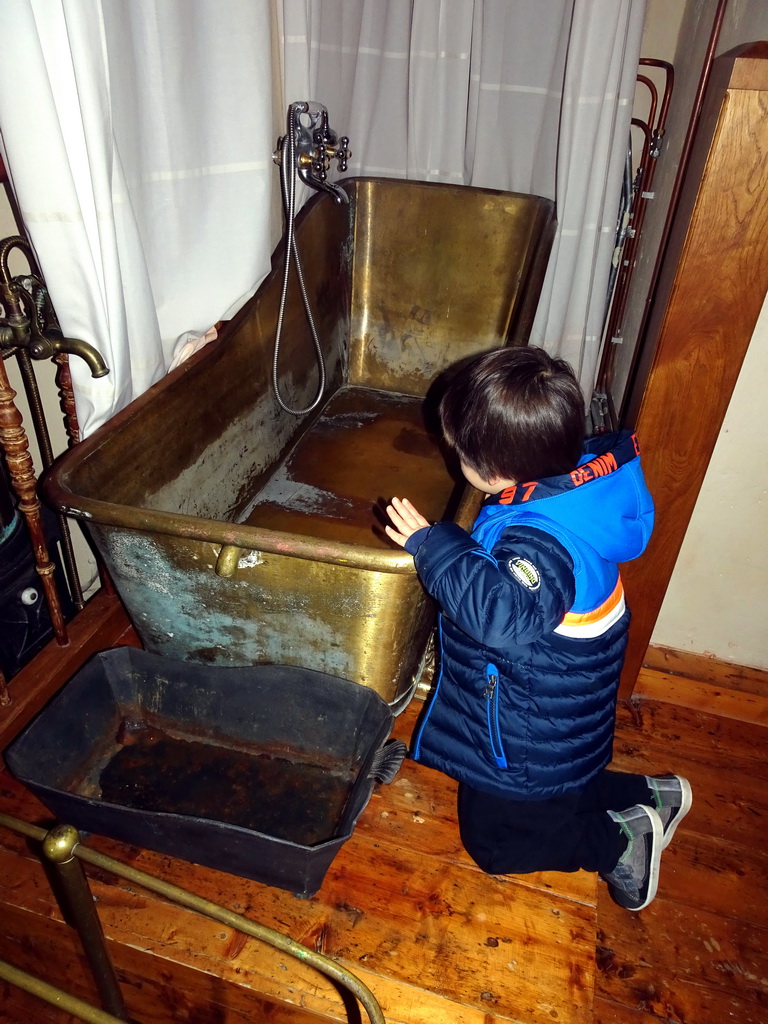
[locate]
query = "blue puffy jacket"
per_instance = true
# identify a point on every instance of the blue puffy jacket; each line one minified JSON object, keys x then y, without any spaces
{"x":533,"y":626}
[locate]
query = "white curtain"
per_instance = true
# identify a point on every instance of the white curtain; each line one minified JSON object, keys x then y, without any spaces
{"x":521,"y":95}
{"x":138,"y":138}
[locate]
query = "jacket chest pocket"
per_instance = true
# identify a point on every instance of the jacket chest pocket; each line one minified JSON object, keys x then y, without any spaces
{"x":491,"y":697}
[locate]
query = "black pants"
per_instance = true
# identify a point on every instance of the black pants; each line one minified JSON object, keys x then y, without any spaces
{"x":512,"y":837}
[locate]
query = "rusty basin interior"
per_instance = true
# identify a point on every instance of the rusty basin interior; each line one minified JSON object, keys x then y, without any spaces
{"x":237,"y":534}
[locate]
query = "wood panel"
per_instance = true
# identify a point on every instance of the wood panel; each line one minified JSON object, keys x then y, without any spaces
{"x":708,"y":669}
{"x":723,"y":985}
{"x":699,"y":952}
{"x":402,"y":906}
{"x":711,"y":290}
{"x":156,"y":990}
{"x":609,"y":1012}
{"x":435,"y":939}
{"x":709,"y":697}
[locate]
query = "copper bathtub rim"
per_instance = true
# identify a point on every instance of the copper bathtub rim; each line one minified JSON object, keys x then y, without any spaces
{"x":246,"y":538}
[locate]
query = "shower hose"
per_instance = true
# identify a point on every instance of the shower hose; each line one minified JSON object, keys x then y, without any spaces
{"x":288,"y":173}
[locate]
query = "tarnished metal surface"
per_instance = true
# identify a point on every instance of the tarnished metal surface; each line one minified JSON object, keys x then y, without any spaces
{"x":361,"y":624}
{"x":446,"y":271}
{"x":237,"y":534}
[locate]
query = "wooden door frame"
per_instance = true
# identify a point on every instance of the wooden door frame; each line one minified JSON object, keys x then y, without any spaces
{"x":710,"y":292}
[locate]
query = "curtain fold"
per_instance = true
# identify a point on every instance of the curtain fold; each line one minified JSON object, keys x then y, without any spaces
{"x":596,"y":110}
{"x":516,"y":95}
{"x":138,"y":138}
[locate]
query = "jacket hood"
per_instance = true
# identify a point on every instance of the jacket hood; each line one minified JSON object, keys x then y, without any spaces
{"x":604,"y":502}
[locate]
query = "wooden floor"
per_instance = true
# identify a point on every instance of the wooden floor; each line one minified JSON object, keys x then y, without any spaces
{"x":699,"y":953}
{"x":437,"y":941}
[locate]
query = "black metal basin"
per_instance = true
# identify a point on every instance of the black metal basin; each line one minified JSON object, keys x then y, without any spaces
{"x":261,"y":772}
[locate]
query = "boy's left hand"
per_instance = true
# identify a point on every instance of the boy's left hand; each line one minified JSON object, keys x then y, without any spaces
{"x":406,"y":520}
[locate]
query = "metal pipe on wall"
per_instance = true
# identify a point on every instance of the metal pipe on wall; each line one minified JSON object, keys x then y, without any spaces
{"x":641,"y":359}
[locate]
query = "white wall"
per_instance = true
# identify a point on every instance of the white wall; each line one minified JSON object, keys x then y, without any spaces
{"x":717,"y":601}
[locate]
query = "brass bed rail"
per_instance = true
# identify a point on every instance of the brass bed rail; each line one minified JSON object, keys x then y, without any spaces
{"x":62,"y":850}
{"x":56,"y":996}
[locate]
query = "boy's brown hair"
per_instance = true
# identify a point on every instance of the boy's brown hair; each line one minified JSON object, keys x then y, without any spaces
{"x":515,"y":413}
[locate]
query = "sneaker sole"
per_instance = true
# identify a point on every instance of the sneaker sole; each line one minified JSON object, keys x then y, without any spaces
{"x":657,"y":848}
{"x":685,"y":806}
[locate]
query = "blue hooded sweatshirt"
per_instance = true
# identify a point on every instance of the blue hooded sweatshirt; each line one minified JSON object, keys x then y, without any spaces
{"x":533,"y":626}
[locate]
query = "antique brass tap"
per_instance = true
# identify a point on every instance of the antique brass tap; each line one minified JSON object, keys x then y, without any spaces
{"x":30,"y":323}
{"x":310,"y":144}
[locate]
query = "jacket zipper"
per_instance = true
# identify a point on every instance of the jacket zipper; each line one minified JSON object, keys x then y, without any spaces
{"x":491,"y":694}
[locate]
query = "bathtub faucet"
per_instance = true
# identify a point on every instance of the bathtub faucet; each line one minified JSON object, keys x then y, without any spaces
{"x":306,"y":151}
{"x":45,"y":346}
{"x":30,"y":324}
{"x":312,"y":144}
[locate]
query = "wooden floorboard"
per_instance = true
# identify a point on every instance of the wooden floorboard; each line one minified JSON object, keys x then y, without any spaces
{"x":437,"y":941}
{"x":699,"y":952}
{"x":704,"y":696}
{"x":402,"y":906}
{"x":702,"y":668}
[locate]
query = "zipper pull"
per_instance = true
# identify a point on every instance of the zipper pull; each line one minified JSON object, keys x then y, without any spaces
{"x":493,"y":678}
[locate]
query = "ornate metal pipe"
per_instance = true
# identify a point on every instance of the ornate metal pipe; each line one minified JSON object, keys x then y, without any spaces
{"x":23,"y":327}
{"x":21,"y":470}
{"x":30,"y":329}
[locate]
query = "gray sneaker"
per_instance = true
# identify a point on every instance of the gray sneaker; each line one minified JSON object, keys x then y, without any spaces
{"x":672,"y":797}
{"x":633,"y":882}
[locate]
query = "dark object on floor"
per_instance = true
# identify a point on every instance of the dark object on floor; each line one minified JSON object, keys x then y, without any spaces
{"x":261,"y":772}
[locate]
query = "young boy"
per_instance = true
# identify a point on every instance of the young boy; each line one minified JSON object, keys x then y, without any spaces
{"x":533,"y":630}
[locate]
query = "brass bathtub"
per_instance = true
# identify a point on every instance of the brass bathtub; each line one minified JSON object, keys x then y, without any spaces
{"x":238,"y":534}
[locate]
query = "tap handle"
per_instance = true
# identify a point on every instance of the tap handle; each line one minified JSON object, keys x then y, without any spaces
{"x":343,"y":153}
{"x":312,"y":144}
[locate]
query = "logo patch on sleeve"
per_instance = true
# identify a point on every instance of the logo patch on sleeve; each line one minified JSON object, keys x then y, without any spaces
{"x":525,"y":572}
